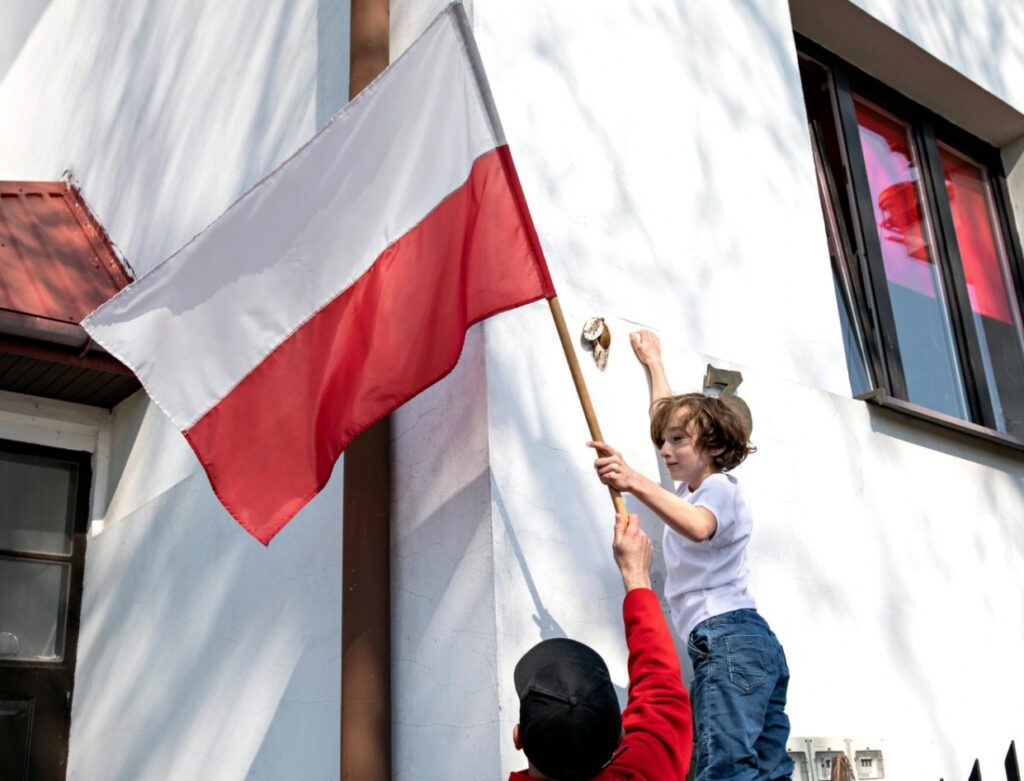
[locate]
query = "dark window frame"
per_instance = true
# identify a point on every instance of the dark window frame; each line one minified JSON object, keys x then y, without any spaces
{"x":48,"y":684}
{"x":873,"y":320}
{"x":75,"y":560}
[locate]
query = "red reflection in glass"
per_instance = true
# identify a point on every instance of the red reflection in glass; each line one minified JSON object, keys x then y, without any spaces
{"x":927,"y":353}
{"x":895,"y":195}
{"x":980,"y":248}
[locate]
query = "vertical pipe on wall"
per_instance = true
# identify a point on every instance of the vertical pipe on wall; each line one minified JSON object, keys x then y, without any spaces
{"x":366,"y":572}
{"x":369,"y":51}
{"x":366,"y":608}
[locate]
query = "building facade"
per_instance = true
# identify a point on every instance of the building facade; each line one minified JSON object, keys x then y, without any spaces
{"x":678,"y":158}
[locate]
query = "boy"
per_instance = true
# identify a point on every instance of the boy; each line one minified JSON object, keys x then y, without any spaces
{"x":740,"y":671}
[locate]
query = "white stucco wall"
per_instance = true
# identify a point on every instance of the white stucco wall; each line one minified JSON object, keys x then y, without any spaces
{"x":980,"y":39}
{"x":663,"y":150}
{"x":445,"y":683}
{"x":166,"y":112}
{"x":202,"y":654}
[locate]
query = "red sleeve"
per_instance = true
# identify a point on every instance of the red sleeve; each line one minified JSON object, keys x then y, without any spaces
{"x":657,"y":719}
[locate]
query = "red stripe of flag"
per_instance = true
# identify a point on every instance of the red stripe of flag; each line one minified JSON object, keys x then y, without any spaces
{"x":269,"y":446}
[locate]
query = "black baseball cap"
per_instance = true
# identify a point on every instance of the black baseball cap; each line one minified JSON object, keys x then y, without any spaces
{"x":569,"y":719}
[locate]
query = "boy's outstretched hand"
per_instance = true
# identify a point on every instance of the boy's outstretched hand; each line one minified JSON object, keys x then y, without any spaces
{"x":612,"y":468}
{"x":647,"y":346}
{"x":633,"y":552}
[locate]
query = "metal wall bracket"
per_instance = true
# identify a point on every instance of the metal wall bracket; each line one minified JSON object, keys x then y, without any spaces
{"x":722,"y":383}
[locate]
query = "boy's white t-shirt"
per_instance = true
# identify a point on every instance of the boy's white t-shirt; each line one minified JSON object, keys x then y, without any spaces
{"x":709,"y":578}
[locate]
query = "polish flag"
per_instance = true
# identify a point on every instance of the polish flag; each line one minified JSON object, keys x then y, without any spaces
{"x":338,"y":287}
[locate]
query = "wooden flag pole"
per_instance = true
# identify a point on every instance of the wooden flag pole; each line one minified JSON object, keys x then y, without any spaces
{"x":581,"y":389}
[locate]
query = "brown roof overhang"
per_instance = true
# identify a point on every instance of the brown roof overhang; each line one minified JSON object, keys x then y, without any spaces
{"x":56,"y":265}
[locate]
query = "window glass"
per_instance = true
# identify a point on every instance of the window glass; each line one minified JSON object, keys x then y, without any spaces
{"x":923,"y":332}
{"x":33,"y":600}
{"x":996,"y":316}
{"x":855,"y":366}
{"x":37,"y":498}
{"x":817,"y":84}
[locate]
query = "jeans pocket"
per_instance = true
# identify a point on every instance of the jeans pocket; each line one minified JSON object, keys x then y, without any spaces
{"x":746,"y":658}
{"x":698,"y":646}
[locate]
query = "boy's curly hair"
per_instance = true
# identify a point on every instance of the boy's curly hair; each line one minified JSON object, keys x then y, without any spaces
{"x":716,"y":428}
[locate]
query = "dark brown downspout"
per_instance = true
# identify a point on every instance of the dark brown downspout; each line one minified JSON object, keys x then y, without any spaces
{"x":366,"y":518}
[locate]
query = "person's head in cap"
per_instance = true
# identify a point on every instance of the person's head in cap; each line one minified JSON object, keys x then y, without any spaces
{"x":569,"y":720}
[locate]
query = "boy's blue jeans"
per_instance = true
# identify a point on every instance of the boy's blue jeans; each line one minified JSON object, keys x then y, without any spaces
{"x":739,"y":699}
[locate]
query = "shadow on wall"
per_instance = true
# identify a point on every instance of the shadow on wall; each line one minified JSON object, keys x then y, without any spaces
{"x":444,"y":678}
{"x":550,"y":511}
{"x":332,"y":58}
{"x":976,"y":43}
{"x":1003,"y":504}
{"x":204,"y":654}
{"x":20,"y":20}
{"x":917,"y":519}
{"x":630,"y":215}
{"x":167,"y":112}
{"x":546,"y":623}
{"x":438,"y":543}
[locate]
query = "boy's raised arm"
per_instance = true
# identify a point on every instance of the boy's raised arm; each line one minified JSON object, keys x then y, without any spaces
{"x":647,"y":347}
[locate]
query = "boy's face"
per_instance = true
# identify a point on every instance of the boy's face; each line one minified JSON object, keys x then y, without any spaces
{"x":685,"y":462}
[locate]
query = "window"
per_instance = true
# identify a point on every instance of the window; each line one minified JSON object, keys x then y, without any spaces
{"x":44,"y":503}
{"x":926,"y":264}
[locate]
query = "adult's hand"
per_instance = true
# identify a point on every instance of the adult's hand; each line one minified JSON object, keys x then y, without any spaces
{"x":633,"y":552}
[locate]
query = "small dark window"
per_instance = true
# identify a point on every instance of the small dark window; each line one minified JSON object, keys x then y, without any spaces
{"x":44,"y":509}
{"x":925,"y":260}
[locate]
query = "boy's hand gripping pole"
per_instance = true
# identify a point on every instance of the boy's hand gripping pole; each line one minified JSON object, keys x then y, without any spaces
{"x":581,"y":389}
